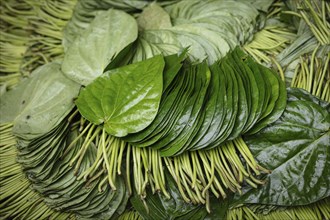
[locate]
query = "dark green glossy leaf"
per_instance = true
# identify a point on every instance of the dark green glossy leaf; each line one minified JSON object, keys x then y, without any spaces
{"x":296,"y":149}
{"x":210,"y":108}
{"x":243,"y":108}
{"x":276,"y":105}
{"x":230,"y":108}
{"x":201,"y":116}
{"x":220,"y":109}
{"x":218,"y":208}
{"x":264,"y":91}
{"x":196,"y":100}
{"x":173,"y":64}
{"x":172,"y":128}
{"x":303,"y":95}
{"x":126,"y":99}
{"x":170,"y":97}
{"x":231,"y":130}
{"x":156,"y":206}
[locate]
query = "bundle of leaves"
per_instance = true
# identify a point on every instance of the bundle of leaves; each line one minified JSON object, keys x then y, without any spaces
{"x":164,"y":94}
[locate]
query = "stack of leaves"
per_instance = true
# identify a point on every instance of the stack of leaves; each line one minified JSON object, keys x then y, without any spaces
{"x":164,"y":102}
{"x":18,"y":200}
{"x":210,"y":28}
{"x":43,"y":140}
{"x":85,"y":11}
{"x":199,"y":107}
{"x":296,"y":148}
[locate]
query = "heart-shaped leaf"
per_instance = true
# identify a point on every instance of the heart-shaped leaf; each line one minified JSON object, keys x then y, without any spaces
{"x":126,"y":99}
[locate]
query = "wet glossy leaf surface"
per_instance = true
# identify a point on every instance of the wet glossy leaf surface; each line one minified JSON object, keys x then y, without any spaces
{"x":126,"y":99}
{"x":296,"y":149}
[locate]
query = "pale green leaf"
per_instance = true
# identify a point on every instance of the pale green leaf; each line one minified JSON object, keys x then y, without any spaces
{"x":90,"y":53}
{"x":38,"y":104}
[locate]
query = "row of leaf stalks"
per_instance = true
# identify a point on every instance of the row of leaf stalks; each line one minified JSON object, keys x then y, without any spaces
{"x":313,"y":74}
{"x":31,"y":33}
{"x":47,"y":25}
{"x":197,"y":174}
{"x":14,"y":40}
{"x":273,"y":38}
{"x":218,"y":171}
{"x":316,"y":15}
{"x":318,"y":210}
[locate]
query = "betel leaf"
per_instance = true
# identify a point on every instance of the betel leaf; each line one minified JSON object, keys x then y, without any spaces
{"x":51,"y":175}
{"x":125,"y":99}
{"x":13,"y":101}
{"x":218,"y":208}
{"x":296,"y":149}
{"x":173,"y":64}
{"x":167,"y":110}
{"x":154,"y":17}
{"x":157,"y":206}
{"x":85,"y":11}
{"x":91,"y":52}
{"x":40,"y":102}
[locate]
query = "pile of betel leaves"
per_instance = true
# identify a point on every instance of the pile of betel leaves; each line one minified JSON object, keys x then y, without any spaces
{"x":156,"y":111}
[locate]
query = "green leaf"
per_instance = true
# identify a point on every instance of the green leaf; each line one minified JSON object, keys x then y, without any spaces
{"x":14,"y":101}
{"x":217,"y":100}
{"x":203,"y":109}
{"x":51,"y":174}
{"x":91,"y":52}
{"x":40,"y":102}
{"x":154,"y":17}
{"x":296,"y":149}
{"x":85,"y":11}
{"x":156,"y":41}
{"x":173,"y":64}
{"x":174,"y":142}
{"x":167,"y":108}
{"x":157,"y":206}
{"x":218,"y":208}
{"x":126,"y":99}
{"x":212,"y":28}
{"x":277,"y":103}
